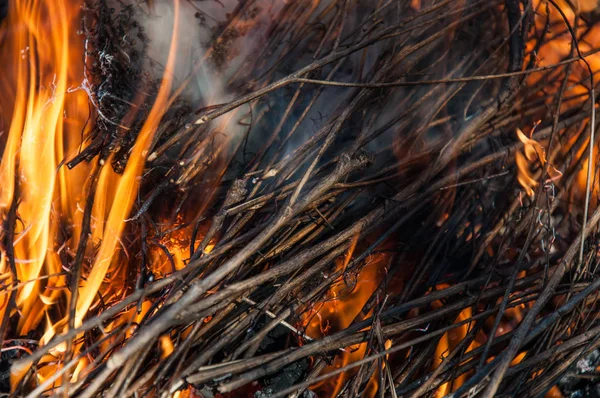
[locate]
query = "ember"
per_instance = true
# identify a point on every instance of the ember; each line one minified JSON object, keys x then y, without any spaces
{"x":268,"y":198}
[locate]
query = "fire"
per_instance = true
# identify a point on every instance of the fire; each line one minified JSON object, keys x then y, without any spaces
{"x":552,"y":51}
{"x":448,"y":342}
{"x":177,"y":244}
{"x":166,"y":345}
{"x":344,"y":304}
{"x":45,"y":100}
{"x":119,"y":205}
{"x":46,"y":119}
{"x":558,"y":47}
{"x":554,"y":392}
{"x":533,"y":153}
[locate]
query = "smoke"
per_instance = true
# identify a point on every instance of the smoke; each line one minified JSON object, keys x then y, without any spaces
{"x":197,"y":24}
{"x":209,"y":50}
{"x":216,"y":45}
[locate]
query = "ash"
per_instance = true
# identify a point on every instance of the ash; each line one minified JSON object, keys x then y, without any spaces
{"x":582,"y":380}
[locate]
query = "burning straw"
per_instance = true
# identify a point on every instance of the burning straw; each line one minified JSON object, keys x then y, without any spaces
{"x":271,"y":198}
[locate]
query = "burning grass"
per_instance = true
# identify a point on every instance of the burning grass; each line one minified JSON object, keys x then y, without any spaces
{"x":330,"y":197}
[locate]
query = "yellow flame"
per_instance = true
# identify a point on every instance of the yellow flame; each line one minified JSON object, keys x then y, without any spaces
{"x":533,"y":153}
{"x":166,"y":345}
{"x":43,"y":60}
{"x":126,"y":186}
{"x":41,"y":99}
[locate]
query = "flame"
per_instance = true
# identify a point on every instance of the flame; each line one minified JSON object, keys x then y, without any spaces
{"x":518,"y":359}
{"x":48,"y":120}
{"x":167,"y":348}
{"x":45,"y":101}
{"x":166,"y":345}
{"x":559,"y":47}
{"x":126,"y":186}
{"x":178,"y":245}
{"x":555,"y":50}
{"x":447,"y":343}
{"x":42,"y":98}
{"x":344,"y":304}
{"x":533,"y":153}
{"x":47,"y":112}
{"x":554,"y":392}
{"x":373,"y":384}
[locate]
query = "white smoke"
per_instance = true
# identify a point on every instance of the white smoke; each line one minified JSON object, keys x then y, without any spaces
{"x":203,"y":69}
{"x":216,"y":40}
{"x":194,"y":31}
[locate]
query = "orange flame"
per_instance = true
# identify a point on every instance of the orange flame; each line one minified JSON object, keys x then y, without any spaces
{"x":47,"y":110}
{"x":46,"y":122}
{"x":553,"y":51}
{"x":559,"y":48}
{"x":166,"y":345}
{"x":447,"y":343}
{"x":554,"y":392}
{"x":532,"y":152}
{"x":126,"y":186}
{"x":337,"y":313}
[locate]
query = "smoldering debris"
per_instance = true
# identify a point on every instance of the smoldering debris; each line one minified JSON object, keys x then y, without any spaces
{"x":331,"y":202}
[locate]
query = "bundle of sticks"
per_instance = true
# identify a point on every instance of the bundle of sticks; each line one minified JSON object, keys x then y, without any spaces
{"x":368,"y":146}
